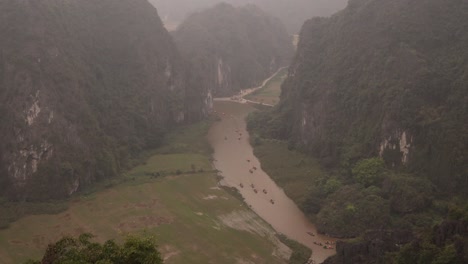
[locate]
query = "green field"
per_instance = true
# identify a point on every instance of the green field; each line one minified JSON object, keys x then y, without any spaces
{"x":295,"y":172}
{"x":271,"y":92}
{"x":193,"y":220}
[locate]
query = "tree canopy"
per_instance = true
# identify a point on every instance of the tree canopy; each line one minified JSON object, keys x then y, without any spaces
{"x":81,"y":250}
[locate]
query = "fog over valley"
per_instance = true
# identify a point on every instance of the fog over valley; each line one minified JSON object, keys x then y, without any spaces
{"x":293,"y":13}
{"x":236,"y":131}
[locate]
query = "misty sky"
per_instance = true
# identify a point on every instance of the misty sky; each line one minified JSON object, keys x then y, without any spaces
{"x":293,"y":13}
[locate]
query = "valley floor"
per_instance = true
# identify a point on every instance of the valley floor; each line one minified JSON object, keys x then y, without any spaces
{"x":193,"y":220}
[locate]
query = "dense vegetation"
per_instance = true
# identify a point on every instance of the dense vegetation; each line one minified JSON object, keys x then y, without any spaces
{"x":377,"y":93}
{"x":85,"y":86}
{"x":293,"y":13}
{"x":135,"y":250}
{"x":233,"y":48}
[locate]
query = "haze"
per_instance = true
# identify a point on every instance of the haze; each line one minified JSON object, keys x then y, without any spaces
{"x":293,"y":13}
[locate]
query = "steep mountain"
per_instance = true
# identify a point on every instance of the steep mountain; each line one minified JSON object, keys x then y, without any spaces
{"x":293,"y":13}
{"x":378,"y":93}
{"x":84,"y":86}
{"x":384,"y":79}
{"x":233,"y":48}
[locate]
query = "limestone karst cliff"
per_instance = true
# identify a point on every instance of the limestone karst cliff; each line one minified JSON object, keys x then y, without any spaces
{"x":233,"y":48}
{"x":383,"y":78}
{"x":377,"y":93}
{"x":84,"y":85}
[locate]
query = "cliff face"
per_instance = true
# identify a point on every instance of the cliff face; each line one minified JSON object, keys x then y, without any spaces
{"x":83,"y":86}
{"x":384,"y":78}
{"x":233,"y":48}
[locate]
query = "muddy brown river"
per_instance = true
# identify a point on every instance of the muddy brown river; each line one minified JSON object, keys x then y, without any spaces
{"x":234,"y":158}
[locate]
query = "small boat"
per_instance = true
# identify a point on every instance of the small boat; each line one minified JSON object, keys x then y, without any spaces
{"x":311,"y":234}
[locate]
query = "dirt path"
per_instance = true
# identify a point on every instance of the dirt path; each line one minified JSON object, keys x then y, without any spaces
{"x":240,"y":98}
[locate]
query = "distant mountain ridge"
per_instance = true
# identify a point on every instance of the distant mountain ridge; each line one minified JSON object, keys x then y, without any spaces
{"x":293,"y":13}
{"x":233,"y":48}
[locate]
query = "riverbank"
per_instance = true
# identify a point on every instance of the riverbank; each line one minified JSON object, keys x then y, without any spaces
{"x":234,"y":158}
{"x":193,"y":220}
{"x":293,"y":171}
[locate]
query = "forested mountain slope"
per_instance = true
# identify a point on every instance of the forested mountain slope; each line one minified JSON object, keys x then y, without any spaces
{"x":84,"y":85}
{"x":233,"y":48}
{"x":293,"y":13}
{"x":384,"y":78}
{"x":378,"y":93}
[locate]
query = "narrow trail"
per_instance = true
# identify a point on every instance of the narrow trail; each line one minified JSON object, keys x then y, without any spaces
{"x":240,"y":98}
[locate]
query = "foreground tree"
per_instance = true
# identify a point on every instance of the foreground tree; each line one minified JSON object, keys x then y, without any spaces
{"x":135,"y":250}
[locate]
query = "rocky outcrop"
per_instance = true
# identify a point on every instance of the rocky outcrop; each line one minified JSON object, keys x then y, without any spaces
{"x":232,"y":48}
{"x":84,"y":85}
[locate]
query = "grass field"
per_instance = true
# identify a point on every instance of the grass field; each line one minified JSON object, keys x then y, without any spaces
{"x":192,"y":219}
{"x":271,"y":92}
{"x":295,"y":172}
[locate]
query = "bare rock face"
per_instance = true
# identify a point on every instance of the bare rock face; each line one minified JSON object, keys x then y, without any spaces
{"x":84,"y":85}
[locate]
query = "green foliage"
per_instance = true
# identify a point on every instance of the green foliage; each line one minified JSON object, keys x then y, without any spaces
{"x":300,"y":253}
{"x":427,"y":253}
{"x":332,"y":185}
{"x":408,"y":193}
{"x":369,"y":171}
{"x":135,"y":250}
{"x":348,"y":212}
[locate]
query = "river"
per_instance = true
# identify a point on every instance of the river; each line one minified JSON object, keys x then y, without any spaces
{"x":233,"y":157}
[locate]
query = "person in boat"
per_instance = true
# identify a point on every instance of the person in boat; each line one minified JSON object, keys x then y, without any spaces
{"x":241,"y":185}
{"x":264,"y":191}
{"x":251,"y":171}
{"x":253,"y":186}
{"x":272,"y":201}
{"x":225,"y":138}
{"x":255,"y":191}
{"x":255,"y":168}
{"x":248,"y":160}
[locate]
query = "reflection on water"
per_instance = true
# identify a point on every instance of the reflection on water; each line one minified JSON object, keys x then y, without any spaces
{"x":233,"y":156}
